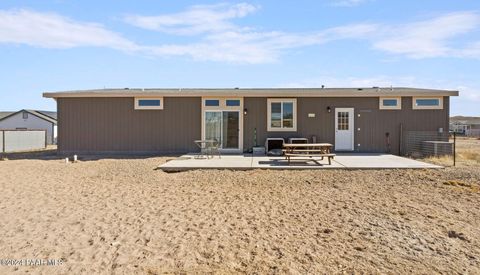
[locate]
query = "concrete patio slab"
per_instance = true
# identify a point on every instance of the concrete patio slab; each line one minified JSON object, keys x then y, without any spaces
{"x":379,"y":161}
{"x":248,"y":161}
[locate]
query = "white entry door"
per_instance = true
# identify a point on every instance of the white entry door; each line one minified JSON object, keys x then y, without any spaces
{"x":344,"y":130}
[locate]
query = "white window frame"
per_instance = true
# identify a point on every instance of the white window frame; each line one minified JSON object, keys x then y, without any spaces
{"x":269,"y":114}
{"x":225,"y":102}
{"x":397,"y":107}
{"x":438,"y":107}
{"x":204,"y":102}
{"x":223,"y":107}
{"x":138,"y":107}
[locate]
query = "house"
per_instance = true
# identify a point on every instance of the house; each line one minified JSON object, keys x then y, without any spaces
{"x":465,"y":124}
{"x":169,"y":120}
{"x":31,"y":120}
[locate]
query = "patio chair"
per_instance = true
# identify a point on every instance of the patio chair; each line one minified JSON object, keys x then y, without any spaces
{"x":213,"y":148}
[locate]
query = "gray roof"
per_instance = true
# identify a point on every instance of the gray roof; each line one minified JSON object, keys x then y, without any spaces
{"x":5,"y":114}
{"x":469,"y":120}
{"x":252,"y":92}
{"x":46,"y":115}
{"x":51,"y":114}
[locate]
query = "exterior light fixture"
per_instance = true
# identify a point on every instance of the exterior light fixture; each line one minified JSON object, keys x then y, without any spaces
{"x":329,"y":110}
{"x":245,"y":111}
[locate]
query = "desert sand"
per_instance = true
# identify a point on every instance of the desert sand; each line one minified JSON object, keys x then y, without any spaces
{"x":123,"y":216}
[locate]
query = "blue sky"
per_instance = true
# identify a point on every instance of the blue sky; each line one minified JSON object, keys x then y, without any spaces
{"x":67,"y":45}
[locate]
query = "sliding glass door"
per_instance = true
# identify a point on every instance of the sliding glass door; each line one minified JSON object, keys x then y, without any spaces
{"x":213,"y":126}
{"x":223,"y":126}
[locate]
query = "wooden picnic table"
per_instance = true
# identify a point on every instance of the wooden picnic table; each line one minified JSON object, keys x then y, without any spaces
{"x":308,"y":150}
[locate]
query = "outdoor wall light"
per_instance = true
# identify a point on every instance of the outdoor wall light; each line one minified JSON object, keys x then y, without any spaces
{"x":245,"y":111}
{"x":329,"y":109}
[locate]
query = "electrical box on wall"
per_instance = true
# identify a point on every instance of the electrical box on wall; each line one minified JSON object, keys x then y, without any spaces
{"x":311,"y":114}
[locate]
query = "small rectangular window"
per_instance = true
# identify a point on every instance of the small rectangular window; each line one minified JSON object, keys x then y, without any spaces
{"x":25,"y":115}
{"x":232,"y":102}
{"x":148,"y":103}
{"x":212,"y":102}
{"x":427,"y":103}
{"x":282,"y":115}
{"x":390,"y":103}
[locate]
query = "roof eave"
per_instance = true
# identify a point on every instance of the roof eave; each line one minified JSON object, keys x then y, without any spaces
{"x":300,"y":93}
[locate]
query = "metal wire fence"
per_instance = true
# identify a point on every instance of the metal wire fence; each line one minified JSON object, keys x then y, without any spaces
{"x":429,"y":144}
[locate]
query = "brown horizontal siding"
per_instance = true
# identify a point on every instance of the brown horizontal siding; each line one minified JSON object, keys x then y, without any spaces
{"x":373,"y":122}
{"x":98,"y":125}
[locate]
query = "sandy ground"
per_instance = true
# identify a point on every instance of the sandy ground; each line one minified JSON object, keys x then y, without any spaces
{"x":122,"y":216}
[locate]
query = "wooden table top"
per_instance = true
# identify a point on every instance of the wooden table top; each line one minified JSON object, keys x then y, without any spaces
{"x":307,"y":145}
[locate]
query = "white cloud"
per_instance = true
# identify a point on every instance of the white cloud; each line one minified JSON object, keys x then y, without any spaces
{"x":49,"y":30}
{"x":429,"y":38}
{"x":348,"y":3}
{"x":242,"y":46}
{"x":222,"y":40}
{"x":195,"y":20}
{"x":352,"y":81}
{"x":214,"y":35}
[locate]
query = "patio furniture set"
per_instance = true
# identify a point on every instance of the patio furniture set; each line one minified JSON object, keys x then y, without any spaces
{"x":296,"y":148}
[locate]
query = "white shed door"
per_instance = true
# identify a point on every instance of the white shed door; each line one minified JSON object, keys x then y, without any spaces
{"x":344,"y":129}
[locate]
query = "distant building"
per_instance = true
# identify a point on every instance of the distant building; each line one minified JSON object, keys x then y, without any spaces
{"x":466,"y":125}
{"x":31,"y":120}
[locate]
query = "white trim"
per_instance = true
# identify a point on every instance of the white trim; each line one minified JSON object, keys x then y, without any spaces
{"x":138,"y":107}
{"x":224,"y":108}
{"x":438,"y":107}
{"x":351,"y":124}
{"x":212,"y":98}
{"x":269,"y":114}
{"x":383,"y":107}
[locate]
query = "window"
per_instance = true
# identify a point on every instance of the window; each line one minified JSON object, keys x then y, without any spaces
{"x":148,"y":103}
{"x":282,"y":114}
{"x":212,"y":102}
{"x":25,"y":115}
{"x":427,"y":103}
{"x":229,"y":103}
{"x":342,"y":121}
{"x":232,"y":102}
{"x":390,"y":103}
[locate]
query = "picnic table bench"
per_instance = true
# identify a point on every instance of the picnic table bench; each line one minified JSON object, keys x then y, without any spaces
{"x":308,"y":150}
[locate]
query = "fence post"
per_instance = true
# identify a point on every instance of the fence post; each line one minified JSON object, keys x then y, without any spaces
{"x":3,"y":141}
{"x":400,"y":141}
{"x":454,"y":147}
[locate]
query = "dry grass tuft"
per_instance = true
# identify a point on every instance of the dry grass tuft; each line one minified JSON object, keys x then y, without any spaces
{"x":441,"y":160}
{"x":457,"y":183}
{"x":468,"y":186}
{"x":469,"y":155}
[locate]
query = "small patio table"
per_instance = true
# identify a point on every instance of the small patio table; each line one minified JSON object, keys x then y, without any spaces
{"x":208,"y":147}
